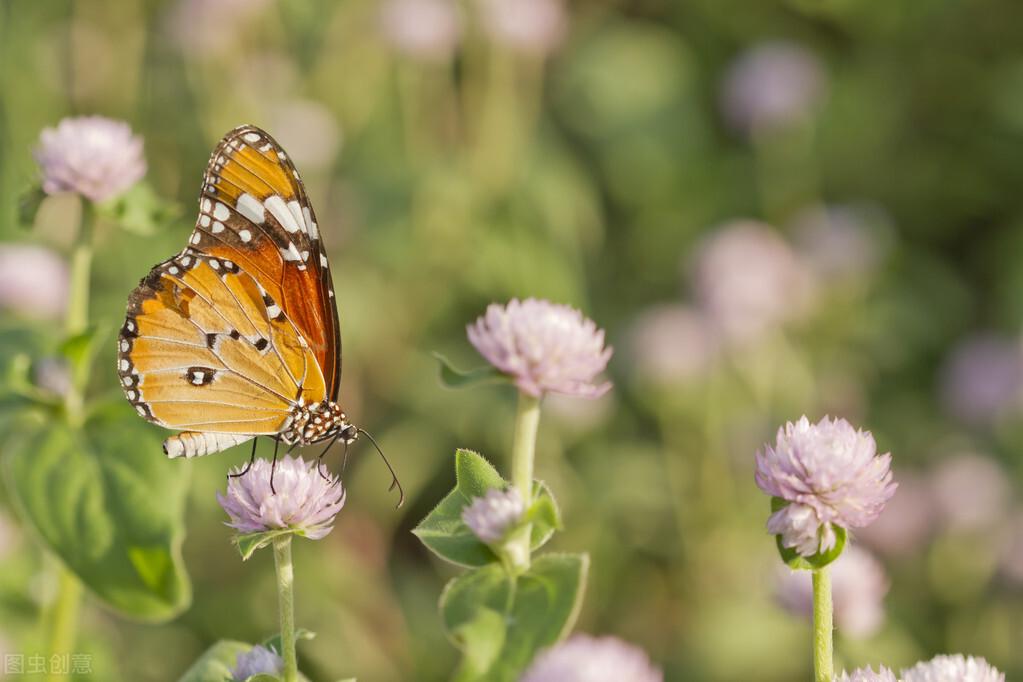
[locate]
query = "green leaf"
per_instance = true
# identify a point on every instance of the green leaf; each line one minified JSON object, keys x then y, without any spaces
{"x":263,"y":677}
{"x":798,"y":562}
{"x":248,"y":543}
{"x":140,"y":210}
{"x":274,"y":641}
{"x":474,"y":475}
{"x":28,"y":205}
{"x":538,"y":612}
{"x":543,"y":514}
{"x":216,"y":662}
{"x":456,"y":378}
{"x":105,"y":500}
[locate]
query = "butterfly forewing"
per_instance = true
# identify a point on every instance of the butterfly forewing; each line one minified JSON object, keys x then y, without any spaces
{"x":254,"y":211}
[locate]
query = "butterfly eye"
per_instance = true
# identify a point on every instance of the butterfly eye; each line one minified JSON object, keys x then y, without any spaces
{"x":349,"y":434}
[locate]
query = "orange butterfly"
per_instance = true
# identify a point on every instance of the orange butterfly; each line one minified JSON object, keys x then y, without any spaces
{"x":237,"y":336}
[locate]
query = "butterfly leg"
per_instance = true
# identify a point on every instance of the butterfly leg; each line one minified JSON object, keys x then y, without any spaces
{"x":252,"y":458}
{"x":319,"y":460}
{"x":273,"y":466}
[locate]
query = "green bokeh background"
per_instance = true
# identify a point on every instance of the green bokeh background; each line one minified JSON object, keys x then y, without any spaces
{"x":589,"y":178}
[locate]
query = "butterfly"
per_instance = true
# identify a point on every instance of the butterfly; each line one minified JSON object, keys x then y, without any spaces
{"x":237,"y":336}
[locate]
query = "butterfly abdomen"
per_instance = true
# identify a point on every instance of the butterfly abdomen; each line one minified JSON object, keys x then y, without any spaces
{"x":193,"y":444}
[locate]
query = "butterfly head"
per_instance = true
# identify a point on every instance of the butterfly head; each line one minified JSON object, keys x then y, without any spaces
{"x":318,"y":422}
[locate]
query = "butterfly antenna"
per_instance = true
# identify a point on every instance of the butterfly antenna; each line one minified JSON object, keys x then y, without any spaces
{"x":252,"y":458}
{"x":395,"y":483}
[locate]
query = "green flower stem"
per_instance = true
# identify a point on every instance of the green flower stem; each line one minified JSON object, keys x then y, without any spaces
{"x":62,"y":625}
{"x":527,"y":421}
{"x":823,"y":665}
{"x":63,"y":617}
{"x":286,"y":604}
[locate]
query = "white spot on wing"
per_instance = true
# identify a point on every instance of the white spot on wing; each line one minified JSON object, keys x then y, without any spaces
{"x":124,"y":345}
{"x":195,"y":238}
{"x":218,"y":226}
{"x":204,"y":220}
{"x":291,"y":253}
{"x":245,"y":235}
{"x":206,"y":205}
{"x":323,"y":261}
{"x":273,"y":311}
{"x":284,"y":217}
{"x":221,"y":211}
{"x":310,"y":225}
{"x":251,"y":137}
{"x":250,"y":207}
{"x":124,"y":365}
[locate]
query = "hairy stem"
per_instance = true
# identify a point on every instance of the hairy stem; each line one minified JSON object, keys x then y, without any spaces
{"x":63,"y":618}
{"x":823,"y":666}
{"x":527,"y":420}
{"x":286,"y":605}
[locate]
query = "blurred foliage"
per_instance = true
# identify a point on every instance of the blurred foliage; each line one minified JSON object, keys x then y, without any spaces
{"x":592,"y":177}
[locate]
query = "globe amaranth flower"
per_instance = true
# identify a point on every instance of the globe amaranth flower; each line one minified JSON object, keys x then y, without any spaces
{"x":582,"y":658}
{"x":34,"y":281}
{"x":304,"y":502}
{"x":859,"y":585}
{"x":491,"y":517}
{"x":867,"y":674}
{"x":830,"y":474}
{"x":255,"y":661}
{"x":94,"y":156}
{"x":955,"y":668}
{"x":425,"y":30}
{"x":544,"y":347}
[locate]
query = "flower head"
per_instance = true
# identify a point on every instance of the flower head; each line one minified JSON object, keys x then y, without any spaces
{"x":867,"y":674}
{"x":772,"y":85}
{"x":428,"y":30}
{"x":543,"y":346}
{"x":94,"y":156}
{"x":831,"y":475}
{"x":955,"y":668}
{"x":33,"y":281}
{"x":592,"y":659}
{"x":747,"y":279}
{"x":491,"y":517}
{"x":304,"y":502}
{"x":982,"y":379}
{"x":256,"y":660}
{"x":533,"y":26}
{"x":671,"y":343}
{"x":859,"y":585}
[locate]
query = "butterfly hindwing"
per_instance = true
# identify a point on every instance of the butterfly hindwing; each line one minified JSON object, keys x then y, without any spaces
{"x":255,"y":212}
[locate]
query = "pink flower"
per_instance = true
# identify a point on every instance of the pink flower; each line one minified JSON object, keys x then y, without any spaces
{"x":867,"y":674}
{"x":304,"y":502}
{"x":971,"y":491}
{"x":533,"y":26}
{"x":33,"y":281}
{"x":772,"y":85}
{"x":830,"y":474}
{"x":543,"y":347}
{"x":670,"y":344}
{"x":256,"y":661}
{"x":592,"y":659}
{"x":429,"y":30}
{"x":982,"y":379}
{"x":748,"y":279}
{"x":955,"y":668}
{"x":858,"y":584}
{"x":94,"y":156}
{"x":491,"y":517}
{"x":906,"y":522}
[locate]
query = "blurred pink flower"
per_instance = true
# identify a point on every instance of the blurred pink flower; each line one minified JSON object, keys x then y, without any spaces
{"x":257,"y":660}
{"x":94,"y":156}
{"x":671,"y":344}
{"x":772,"y":85}
{"x":429,"y":30}
{"x":867,"y":674}
{"x":830,"y":474}
{"x":305,"y":502}
{"x":33,"y":281}
{"x":982,"y":379}
{"x":52,"y":375}
{"x":211,"y":27}
{"x":748,"y":279}
{"x":491,"y":517}
{"x":308,"y":130}
{"x":859,"y":585}
{"x":954,"y":668}
{"x":583,"y":658}
{"x":544,"y":347}
{"x":971,"y":491}
{"x":839,"y":242}
{"x":906,"y":522}
{"x":532,"y":26}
